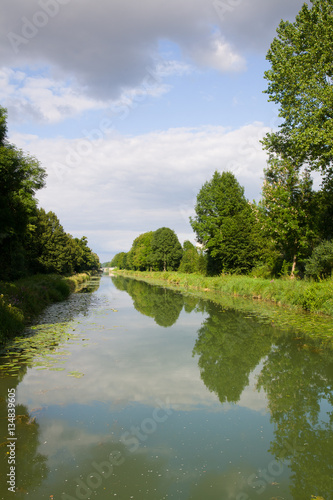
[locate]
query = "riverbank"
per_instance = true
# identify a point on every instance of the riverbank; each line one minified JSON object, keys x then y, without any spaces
{"x":297,"y":294}
{"x":22,"y":300}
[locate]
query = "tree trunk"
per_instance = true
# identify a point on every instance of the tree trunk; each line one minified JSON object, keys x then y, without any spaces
{"x":292,"y":275}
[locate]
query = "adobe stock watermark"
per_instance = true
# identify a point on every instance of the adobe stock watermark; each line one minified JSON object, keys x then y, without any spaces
{"x":132,"y":439}
{"x":31,"y":27}
{"x":92,"y":139}
{"x":264,"y":477}
{"x":225,"y":7}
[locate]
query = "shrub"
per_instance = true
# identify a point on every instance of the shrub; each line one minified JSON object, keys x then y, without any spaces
{"x":320,"y":264}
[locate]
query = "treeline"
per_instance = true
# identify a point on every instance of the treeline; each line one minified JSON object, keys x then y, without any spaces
{"x":31,"y":240}
{"x":160,"y":250}
{"x":287,"y":233}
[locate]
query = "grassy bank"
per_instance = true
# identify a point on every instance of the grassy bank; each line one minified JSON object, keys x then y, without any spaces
{"x":305,"y":295}
{"x":24,"y":299}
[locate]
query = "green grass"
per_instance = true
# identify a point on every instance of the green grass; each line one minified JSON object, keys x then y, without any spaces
{"x":24,"y":299}
{"x":315,"y":297}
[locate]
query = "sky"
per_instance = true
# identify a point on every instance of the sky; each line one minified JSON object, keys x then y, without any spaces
{"x":131,"y":106}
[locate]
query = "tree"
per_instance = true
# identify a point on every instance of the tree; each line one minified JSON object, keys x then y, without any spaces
{"x":224,"y":224}
{"x":139,"y":257}
{"x":300,"y":81}
{"x":119,"y":260}
{"x":52,"y":250}
{"x":190,"y":259}
{"x":21,"y":176}
{"x":166,"y":249}
{"x":286,"y":210}
{"x":320,"y":264}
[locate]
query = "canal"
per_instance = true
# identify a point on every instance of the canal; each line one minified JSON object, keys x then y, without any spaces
{"x":133,"y":391}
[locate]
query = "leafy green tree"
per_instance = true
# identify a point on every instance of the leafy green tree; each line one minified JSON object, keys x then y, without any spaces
{"x":190,"y":258}
{"x":320,"y":264}
{"x":224,"y":224}
{"x":300,"y":81}
{"x":324,"y":210}
{"x":286,"y":209}
{"x":166,"y":249}
{"x":139,"y":257}
{"x":84,"y":259}
{"x":52,"y":250}
{"x":119,"y":260}
{"x":21,"y":176}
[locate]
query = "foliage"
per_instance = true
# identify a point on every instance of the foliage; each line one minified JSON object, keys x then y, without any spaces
{"x":119,"y":260}
{"x":300,"y":81}
{"x":320,"y":264}
{"x":140,"y":255}
{"x":24,"y":299}
{"x":21,"y":176}
{"x":166,"y":250}
{"x":52,"y":250}
{"x":224,"y":224}
{"x":297,"y":294}
{"x":286,"y":210}
{"x":190,"y":260}
{"x":323,"y":214}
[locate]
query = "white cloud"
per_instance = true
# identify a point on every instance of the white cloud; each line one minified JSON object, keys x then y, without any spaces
{"x":45,"y":99}
{"x":219,"y":54}
{"x":42,"y":98}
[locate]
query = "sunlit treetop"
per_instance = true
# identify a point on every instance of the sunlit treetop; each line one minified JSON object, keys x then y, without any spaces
{"x":301,"y":82}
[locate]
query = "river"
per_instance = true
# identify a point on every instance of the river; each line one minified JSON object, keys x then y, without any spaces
{"x":133,"y":391}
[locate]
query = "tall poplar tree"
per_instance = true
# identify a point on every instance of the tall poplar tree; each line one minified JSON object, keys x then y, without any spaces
{"x":300,"y":81}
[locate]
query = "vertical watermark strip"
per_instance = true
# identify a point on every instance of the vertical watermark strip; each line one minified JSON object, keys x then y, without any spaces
{"x":11,"y":411}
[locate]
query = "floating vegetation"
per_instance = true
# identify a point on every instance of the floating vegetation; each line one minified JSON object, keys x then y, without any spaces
{"x":40,"y":348}
{"x":75,"y":374}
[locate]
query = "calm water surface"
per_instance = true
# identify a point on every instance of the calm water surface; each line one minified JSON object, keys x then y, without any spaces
{"x":145,"y":393}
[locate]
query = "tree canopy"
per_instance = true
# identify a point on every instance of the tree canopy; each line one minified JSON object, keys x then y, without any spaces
{"x":21,"y":176}
{"x":300,"y":81}
{"x":166,"y":249}
{"x":224,"y":224}
{"x":287,"y":206}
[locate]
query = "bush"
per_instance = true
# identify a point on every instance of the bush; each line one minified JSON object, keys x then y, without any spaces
{"x":320,"y":264}
{"x":11,"y":318}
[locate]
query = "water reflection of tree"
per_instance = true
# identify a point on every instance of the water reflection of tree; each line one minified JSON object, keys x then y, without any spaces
{"x":297,"y":377}
{"x":89,"y":286}
{"x":162,"y":304}
{"x":30,"y":466}
{"x":229,"y":347}
{"x":298,"y":381}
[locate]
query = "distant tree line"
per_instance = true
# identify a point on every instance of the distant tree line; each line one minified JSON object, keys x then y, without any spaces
{"x":31,"y":240}
{"x":159,"y":250}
